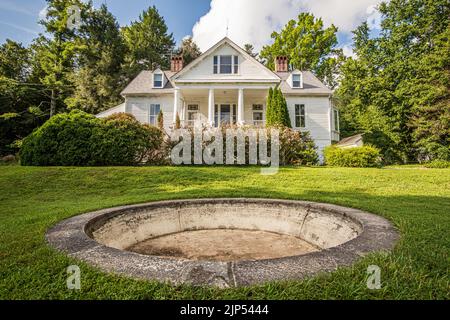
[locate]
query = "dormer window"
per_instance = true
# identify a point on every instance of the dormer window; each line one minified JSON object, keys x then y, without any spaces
{"x":296,"y":80}
{"x":157,"y":80}
{"x":226,"y":64}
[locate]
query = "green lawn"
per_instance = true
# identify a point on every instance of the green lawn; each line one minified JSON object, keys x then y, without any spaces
{"x":416,"y":200}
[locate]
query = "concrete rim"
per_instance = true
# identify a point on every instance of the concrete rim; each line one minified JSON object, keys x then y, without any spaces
{"x":72,"y":236}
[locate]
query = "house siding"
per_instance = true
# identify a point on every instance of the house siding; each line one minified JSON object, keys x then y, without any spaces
{"x":317,"y":120}
{"x":139,"y":107}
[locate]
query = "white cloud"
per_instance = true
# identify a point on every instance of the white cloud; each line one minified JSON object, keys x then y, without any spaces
{"x":43,"y":13}
{"x":348,"y":51}
{"x":253,"y":21}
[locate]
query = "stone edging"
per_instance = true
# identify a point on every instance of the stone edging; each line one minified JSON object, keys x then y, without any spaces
{"x":71,"y":236}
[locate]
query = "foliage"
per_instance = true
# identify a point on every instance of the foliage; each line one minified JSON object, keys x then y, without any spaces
{"x":249,"y":48}
{"x":308,"y":46}
{"x":277,"y":113}
{"x":296,"y":148}
{"x":189,"y":50}
{"x":438,"y":164}
{"x":160,"y":120}
{"x":149,"y":43}
{"x":99,"y":80}
{"x":177,"y":121}
{"x":80,"y":139}
{"x":364,"y":157}
{"x":396,"y":89}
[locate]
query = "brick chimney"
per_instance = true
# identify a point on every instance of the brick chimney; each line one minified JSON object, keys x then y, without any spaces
{"x":281,"y":64}
{"x":176,"y":63}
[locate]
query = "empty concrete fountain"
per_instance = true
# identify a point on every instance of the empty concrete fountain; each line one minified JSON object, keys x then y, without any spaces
{"x":223,"y":242}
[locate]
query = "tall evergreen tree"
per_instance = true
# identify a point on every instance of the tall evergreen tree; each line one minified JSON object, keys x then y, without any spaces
{"x":277,"y":113}
{"x":149,"y":43}
{"x":98,"y":79}
{"x":57,"y":51}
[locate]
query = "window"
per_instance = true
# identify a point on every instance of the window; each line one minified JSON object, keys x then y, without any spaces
{"x":157,"y":80}
{"x":258,"y":115}
{"x":300,"y":118}
{"x":336,"y":119}
{"x":226,"y":64}
{"x":296,"y":80}
{"x":153,"y":114}
{"x":192,"y":114}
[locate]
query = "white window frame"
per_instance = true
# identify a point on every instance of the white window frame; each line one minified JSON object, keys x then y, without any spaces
{"x":254,"y":111}
{"x":153,"y":115}
{"x":300,"y":115}
{"x":234,"y":65}
{"x":162,"y":80}
{"x":300,"y":80}
{"x":194,"y":109}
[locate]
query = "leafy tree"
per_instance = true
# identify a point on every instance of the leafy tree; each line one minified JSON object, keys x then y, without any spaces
{"x":98,"y":80}
{"x":277,"y":113}
{"x":396,"y":90}
{"x":188,"y":50}
{"x":308,"y":46}
{"x":17,"y":95}
{"x":149,"y":43}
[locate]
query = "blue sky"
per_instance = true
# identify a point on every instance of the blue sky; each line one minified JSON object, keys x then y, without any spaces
{"x":249,"y":21}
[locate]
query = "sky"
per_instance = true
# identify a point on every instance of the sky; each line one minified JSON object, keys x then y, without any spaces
{"x":244,"y":21}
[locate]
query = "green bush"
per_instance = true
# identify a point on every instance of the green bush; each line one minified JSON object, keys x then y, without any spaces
{"x":80,"y":139}
{"x":366,"y":156}
{"x":438,"y":164}
{"x":296,"y":148}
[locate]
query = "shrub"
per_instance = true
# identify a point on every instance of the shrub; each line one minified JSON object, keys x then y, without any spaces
{"x":438,"y":164}
{"x":80,"y":139}
{"x":296,"y":148}
{"x":366,"y":156}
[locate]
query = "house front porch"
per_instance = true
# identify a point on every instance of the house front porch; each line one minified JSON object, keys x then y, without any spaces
{"x":220,"y":106}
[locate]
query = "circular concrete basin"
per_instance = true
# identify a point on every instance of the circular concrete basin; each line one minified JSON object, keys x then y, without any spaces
{"x":223,"y":242}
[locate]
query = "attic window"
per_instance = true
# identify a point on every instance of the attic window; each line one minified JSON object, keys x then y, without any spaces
{"x":157,"y":80}
{"x":296,"y":80}
{"x":226,"y":64}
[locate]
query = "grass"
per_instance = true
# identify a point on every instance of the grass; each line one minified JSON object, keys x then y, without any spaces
{"x":417,"y":201}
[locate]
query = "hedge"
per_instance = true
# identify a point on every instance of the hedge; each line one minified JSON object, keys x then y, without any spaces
{"x":365,"y":156}
{"x":80,"y":139}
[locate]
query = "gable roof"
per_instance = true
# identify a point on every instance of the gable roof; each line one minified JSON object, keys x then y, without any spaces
{"x":208,"y":52}
{"x":311,"y":84}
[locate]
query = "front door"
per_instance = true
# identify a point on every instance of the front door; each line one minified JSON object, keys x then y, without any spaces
{"x":224,"y":114}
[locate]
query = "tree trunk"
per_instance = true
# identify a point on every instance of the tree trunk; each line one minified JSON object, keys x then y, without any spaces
{"x":52,"y":104}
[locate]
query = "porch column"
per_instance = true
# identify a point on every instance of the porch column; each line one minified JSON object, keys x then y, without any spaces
{"x":176,"y":103}
{"x":240,"y":111}
{"x":211,"y":107}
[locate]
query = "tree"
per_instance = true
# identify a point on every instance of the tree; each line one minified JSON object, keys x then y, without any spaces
{"x":277,"y":113}
{"x":57,"y":51}
{"x":98,"y":80}
{"x":16,"y":96}
{"x":396,"y":90}
{"x":249,"y":48}
{"x":177,"y":121}
{"x":188,"y":50}
{"x":308,"y":46}
{"x":148,"y":42}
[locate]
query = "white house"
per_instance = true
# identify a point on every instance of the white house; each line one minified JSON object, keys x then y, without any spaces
{"x":227,"y":85}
